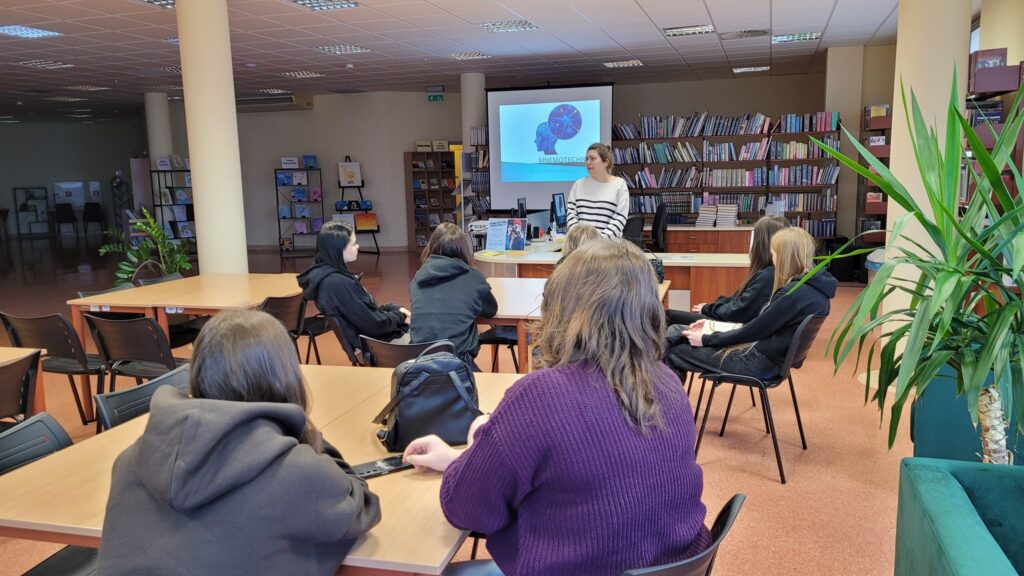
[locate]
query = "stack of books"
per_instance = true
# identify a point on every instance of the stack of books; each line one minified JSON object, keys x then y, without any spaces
{"x":726,"y":216}
{"x":706,"y":216}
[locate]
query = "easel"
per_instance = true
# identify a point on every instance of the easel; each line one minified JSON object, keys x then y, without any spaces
{"x":359,"y":190}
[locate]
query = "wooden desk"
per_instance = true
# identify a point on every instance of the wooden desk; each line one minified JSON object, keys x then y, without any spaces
{"x":205,"y":294}
{"x":37,"y":403}
{"x":62,"y":497}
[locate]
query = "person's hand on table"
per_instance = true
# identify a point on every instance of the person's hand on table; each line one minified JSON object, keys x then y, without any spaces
{"x":430,"y":453}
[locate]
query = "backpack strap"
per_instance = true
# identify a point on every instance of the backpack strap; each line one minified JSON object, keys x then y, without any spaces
{"x":460,"y":387}
{"x":379,"y":418}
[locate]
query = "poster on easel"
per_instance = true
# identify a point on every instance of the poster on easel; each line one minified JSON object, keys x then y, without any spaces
{"x":506,"y":234}
{"x":349,"y":174}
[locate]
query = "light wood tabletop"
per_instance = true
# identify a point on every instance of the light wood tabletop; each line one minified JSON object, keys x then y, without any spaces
{"x":9,"y":355}
{"x":62,"y":497}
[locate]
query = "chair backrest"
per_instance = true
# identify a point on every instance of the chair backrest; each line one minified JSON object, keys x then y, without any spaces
{"x":30,"y":440}
{"x":138,"y":339}
{"x":53,"y":333}
{"x":339,"y":332}
{"x":114,"y":408}
{"x":82,"y":294}
{"x":289,"y":310}
{"x":701,"y":564}
{"x":387,"y":355}
{"x":92,"y":212}
{"x":634,"y":230}
{"x":801,"y":344}
{"x":112,"y":315}
{"x":18,"y":386}
{"x":159,"y":280}
{"x":64,"y":213}
{"x":658,"y":228}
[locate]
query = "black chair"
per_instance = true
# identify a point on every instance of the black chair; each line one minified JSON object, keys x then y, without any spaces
{"x":65,"y":353}
{"x":354,"y":356}
{"x":18,"y":388}
{"x":136,"y":348}
{"x":799,"y":347}
{"x":289,"y":311}
{"x":181,"y":332}
{"x":658,"y":229}
{"x":701,"y":564}
{"x":115,"y":408}
{"x":92,"y":212}
{"x":380,"y":354}
{"x":183,"y":321}
{"x":312,"y":327}
{"x":633,"y":231}
{"x":65,"y":214}
{"x":501,"y":336}
{"x":31,"y":440}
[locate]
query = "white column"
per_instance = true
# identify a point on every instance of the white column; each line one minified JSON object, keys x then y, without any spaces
{"x":210,"y":118}
{"x":843,"y":80}
{"x":474,"y":103}
{"x":158,"y":126}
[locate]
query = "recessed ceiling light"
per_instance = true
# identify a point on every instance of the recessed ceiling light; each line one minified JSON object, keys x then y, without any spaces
{"x":474,"y":55}
{"x":6,"y":117}
{"x":8,"y":121}
{"x":801,"y":37}
{"x":688,"y":30}
{"x":250,"y":64}
{"x":86,"y":88}
{"x":79,"y":115}
{"x":175,"y":69}
{"x":741,"y":34}
{"x":508,"y":26}
{"x":751,"y":69}
{"x":166,"y":87}
{"x":172,"y":40}
{"x":273,"y":91}
{"x":65,"y":99}
{"x":169,"y":4}
{"x":343,"y":49}
{"x":623,"y":64}
{"x":302,"y":74}
{"x":27,"y":32}
{"x":317,"y":5}
{"x":45,"y":64}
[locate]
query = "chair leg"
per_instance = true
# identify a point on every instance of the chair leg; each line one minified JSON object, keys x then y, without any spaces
{"x":113,"y":379}
{"x":316,"y":351}
{"x":476,"y":544}
{"x":78,"y":399}
{"x":752,"y":402}
{"x":771,"y":424}
{"x":796,"y":409}
{"x":494,"y":357}
{"x":689,"y":383}
{"x":700,"y":398}
{"x":515,"y":361}
{"x":707,"y":410}
{"x":728,"y":408}
{"x":309,"y":347}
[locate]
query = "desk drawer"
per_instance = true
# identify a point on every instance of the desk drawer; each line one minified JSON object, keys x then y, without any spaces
{"x":692,"y":237}
{"x":694,"y":248}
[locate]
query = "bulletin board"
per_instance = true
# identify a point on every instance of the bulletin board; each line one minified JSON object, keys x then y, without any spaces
{"x":69,"y":193}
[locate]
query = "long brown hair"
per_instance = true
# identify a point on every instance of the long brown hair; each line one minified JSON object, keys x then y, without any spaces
{"x":794,"y":255}
{"x":601,"y":309}
{"x":247,"y":356}
{"x":449,"y":240}
{"x":760,"y":246}
{"x":577,"y":236}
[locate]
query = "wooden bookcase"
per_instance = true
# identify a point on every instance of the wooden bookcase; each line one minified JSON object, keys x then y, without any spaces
{"x":173,"y":205}
{"x":429,"y":185}
{"x":871,"y":211}
{"x":300,"y":210}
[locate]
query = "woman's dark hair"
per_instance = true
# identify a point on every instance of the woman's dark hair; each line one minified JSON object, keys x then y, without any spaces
{"x":331,"y":242}
{"x":760,"y":246}
{"x":449,"y":240}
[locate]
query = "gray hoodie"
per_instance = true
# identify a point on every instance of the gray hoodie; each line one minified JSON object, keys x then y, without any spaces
{"x":221,"y":487}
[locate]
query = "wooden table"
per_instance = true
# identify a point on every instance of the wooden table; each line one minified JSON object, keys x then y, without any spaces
{"x":205,"y":294}
{"x":62,"y":497}
{"x":37,"y":403}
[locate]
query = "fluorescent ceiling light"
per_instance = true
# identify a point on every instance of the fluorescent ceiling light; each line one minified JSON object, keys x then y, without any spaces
{"x":27,"y":32}
{"x":343,"y":49}
{"x":317,"y":5}
{"x":751,"y":69}
{"x":175,"y":69}
{"x":169,"y":4}
{"x":8,"y":121}
{"x":302,"y":74}
{"x":508,"y":26}
{"x":273,"y":91}
{"x":469,"y":55}
{"x":6,"y":117}
{"x":86,"y":88}
{"x":623,"y":64}
{"x":741,"y":34}
{"x":65,"y":99}
{"x":166,"y":87}
{"x":79,"y":115}
{"x":45,"y":64}
{"x":172,"y":40}
{"x":689,"y":30}
{"x":801,"y":37}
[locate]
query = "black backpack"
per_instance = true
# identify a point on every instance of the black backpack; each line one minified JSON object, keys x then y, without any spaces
{"x":433,"y":394}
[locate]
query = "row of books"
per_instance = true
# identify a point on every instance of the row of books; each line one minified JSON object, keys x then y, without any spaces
{"x":819,"y":228}
{"x":353,"y":205}
{"x":285,"y":211}
{"x":644,"y":203}
{"x":692,"y":126}
{"x":301,"y":227}
{"x":430,"y":164}
{"x":433,"y":184}
{"x":481,"y":204}
{"x":424,"y":220}
{"x":803,"y":175}
{"x":794,"y":150}
{"x":667,"y":178}
{"x":745,"y":202}
{"x":812,"y":122}
{"x":481,"y":182}
{"x":981,"y":111}
{"x":824,"y":202}
{"x":726,"y":151}
{"x":478,"y":136}
{"x":478,"y":160}
{"x":424,"y":202}
{"x":175,"y":196}
{"x":299,"y":178}
{"x":664,"y":152}
{"x":314,"y":194}
{"x":177,"y":213}
{"x":721,"y":177}
{"x":180,"y":229}
{"x":717,"y":215}
{"x":361,"y":221}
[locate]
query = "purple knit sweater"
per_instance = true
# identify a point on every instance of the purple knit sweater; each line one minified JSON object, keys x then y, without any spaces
{"x":563,"y":484}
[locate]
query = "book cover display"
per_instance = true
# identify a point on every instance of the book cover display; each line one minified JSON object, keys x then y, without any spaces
{"x":349,"y":174}
{"x":366,"y":222}
{"x":506,"y":234}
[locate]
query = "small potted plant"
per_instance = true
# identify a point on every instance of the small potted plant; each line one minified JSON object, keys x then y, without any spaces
{"x":147,"y":249}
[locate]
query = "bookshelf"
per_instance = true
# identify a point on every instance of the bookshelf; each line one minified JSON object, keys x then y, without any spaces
{"x":746,"y":160}
{"x":172,"y":205}
{"x":430,"y":185}
{"x":300,"y":210}
{"x":871,"y":202}
{"x":476,"y":182}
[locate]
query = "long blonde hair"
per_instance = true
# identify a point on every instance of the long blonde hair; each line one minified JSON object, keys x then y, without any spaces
{"x":793,"y":254}
{"x":577,"y":236}
{"x":601,"y":310}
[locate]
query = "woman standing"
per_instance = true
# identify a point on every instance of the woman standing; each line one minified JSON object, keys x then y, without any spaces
{"x":600,"y":199}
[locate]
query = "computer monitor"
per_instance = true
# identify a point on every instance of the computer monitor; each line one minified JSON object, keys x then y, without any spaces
{"x":521,"y":204}
{"x":558,"y":208}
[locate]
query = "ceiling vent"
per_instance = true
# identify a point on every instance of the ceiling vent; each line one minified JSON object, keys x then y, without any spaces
{"x":741,"y":34}
{"x":275,"y":103}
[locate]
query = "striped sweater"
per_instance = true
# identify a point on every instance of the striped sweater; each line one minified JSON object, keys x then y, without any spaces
{"x":604,"y":206}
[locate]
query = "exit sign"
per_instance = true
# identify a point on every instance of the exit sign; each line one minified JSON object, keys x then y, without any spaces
{"x":435,"y":97}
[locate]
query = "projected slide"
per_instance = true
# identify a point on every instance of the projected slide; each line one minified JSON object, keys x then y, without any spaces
{"x":547,"y":142}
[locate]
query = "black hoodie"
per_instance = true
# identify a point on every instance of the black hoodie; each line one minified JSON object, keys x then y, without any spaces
{"x":220,"y":487}
{"x":447,"y":297}
{"x":339,"y":293}
{"x":773,"y":329}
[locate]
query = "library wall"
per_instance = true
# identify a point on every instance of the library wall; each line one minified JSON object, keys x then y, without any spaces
{"x":39,"y":154}
{"x":879,"y":74}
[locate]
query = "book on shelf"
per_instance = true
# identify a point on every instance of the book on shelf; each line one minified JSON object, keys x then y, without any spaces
{"x":301,"y":210}
{"x":165,"y":196}
{"x":434,"y":219}
{"x":810,"y":122}
{"x":310,"y":161}
{"x":448,"y":217}
{"x":284,"y":211}
{"x":366,"y":222}
{"x":298,"y":194}
{"x":803,"y":175}
{"x":182,"y":195}
{"x":164,"y":164}
{"x":420,"y":201}
{"x":421,"y":240}
{"x":434,"y":184}
{"x":869,"y":224}
{"x":423,"y":183}
{"x":435,"y":202}
{"x":283,"y":178}
{"x":352,"y":205}
{"x":421,"y":219}
{"x":188,"y":176}
{"x":416,"y":185}
{"x":365,"y":205}
{"x":430,"y":163}
{"x":418,"y":165}
{"x":180,"y":213}
{"x":478,"y":136}
{"x":318,"y":223}
{"x":299,"y":178}
{"x":874,"y":197}
{"x":446,"y":164}
{"x":725,"y":215}
{"x":186,"y":229}
{"x":300,"y":228}
{"x":287,"y":245}
{"x":876,"y":140}
{"x":315,"y":194}
{"x":168,"y":230}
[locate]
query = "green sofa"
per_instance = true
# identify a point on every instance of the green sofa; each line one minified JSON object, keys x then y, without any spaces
{"x":959,"y":518}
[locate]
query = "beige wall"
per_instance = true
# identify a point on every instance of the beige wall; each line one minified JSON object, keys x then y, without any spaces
{"x":39,"y":154}
{"x":879,"y":74}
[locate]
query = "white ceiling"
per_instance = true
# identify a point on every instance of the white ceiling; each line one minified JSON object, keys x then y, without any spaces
{"x":120,"y":44}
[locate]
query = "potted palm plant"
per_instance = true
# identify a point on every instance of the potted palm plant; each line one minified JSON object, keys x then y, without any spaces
{"x":146,"y":248}
{"x":961,"y":309}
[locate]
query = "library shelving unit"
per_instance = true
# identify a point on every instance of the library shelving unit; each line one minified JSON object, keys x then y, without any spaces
{"x":172,"y":205}
{"x":429,"y":183}
{"x":32,"y":210}
{"x":991,"y":90}
{"x":871,"y":202}
{"x":300,"y":209}
{"x":802,"y":176}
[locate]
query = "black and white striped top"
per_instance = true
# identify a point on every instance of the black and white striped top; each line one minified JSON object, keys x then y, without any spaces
{"x":603,"y":205}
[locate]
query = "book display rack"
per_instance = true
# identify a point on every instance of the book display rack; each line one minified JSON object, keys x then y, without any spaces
{"x":430,"y":184}
{"x":173,"y":206}
{"x":300,"y":209}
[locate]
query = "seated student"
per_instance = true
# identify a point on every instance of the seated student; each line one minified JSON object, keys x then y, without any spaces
{"x":448,"y":294}
{"x":759,"y":347}
{"x":596,"y":449}
{"x":575,"y":238}
{"x":755,"y":290}
{"x":338,"y":292}
{"x":234,"y":479}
